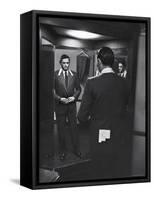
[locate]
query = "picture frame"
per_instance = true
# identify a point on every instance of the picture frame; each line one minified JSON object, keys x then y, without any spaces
{"x":44,"y":37}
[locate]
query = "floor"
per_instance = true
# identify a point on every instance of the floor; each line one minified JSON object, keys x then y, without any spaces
{"x":50,"y":164}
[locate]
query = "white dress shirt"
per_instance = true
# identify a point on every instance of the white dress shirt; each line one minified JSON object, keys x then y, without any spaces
{"x":104,"y":71}
{"x":63,"y":71}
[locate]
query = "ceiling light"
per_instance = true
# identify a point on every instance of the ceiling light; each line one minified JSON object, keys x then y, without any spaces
{"x":83,"y":34}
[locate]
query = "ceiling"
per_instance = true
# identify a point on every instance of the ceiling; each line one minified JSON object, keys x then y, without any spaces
{"x":55,"y":30}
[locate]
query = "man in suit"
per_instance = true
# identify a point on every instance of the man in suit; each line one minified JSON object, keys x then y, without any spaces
{"x":104,"y":105}
{"x":66,"y":92}
{"x":122,"y":69}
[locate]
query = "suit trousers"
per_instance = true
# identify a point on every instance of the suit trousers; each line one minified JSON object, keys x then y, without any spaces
{"x":66,"y":123}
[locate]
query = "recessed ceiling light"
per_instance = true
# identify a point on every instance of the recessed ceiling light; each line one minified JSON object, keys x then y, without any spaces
{"x":83,"y":34}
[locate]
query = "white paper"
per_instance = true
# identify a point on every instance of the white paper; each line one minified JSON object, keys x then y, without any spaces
{"x":103,"y":135}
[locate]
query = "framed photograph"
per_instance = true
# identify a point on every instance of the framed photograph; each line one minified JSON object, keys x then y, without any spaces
{"x":85,"y":99}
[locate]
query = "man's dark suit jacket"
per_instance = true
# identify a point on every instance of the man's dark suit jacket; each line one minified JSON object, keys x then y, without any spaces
{"x":60,"y":90}
{"x":104,"y":102}
{"x":104,"y":98}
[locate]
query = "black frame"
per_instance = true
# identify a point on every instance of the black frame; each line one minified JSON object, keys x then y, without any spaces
{"x":29,"y":53}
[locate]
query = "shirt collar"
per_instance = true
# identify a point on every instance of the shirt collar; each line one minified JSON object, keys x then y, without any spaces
{"x":62,"y":71}
{"x":107,"y":70}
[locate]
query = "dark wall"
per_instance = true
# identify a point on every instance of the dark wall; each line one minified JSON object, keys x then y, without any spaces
{"x":46,"y":115}
{"x":46,"y":70}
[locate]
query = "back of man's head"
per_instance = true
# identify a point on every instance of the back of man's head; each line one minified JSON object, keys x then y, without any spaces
{"x":106,"y":56}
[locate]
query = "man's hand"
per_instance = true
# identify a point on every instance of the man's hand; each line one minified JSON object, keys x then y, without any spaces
{"x":64,"y":100}
{"x":71,"y":99}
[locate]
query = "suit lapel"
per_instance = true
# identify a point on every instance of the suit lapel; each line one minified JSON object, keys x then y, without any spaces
{"x":62,"y":80}
{"x":70,"y":79}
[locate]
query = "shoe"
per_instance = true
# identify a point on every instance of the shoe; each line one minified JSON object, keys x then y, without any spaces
{"x":62,"y":156}
{"x":78,"y":154}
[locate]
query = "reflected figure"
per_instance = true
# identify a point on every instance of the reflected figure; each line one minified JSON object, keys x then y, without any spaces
{"x":122,"y":69}
{"x":66,"y":92}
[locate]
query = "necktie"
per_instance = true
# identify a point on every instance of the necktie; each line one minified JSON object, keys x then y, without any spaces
{"x":66,"y":79}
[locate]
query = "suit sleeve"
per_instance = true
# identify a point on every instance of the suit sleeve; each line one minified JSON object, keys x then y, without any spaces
{"x":56,"y":96}
{"x":77,"y":87}
{"x":125,"y":91}
{"x":85,"y":108}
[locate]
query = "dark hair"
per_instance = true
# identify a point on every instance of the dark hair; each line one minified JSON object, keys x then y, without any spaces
{"x":106,"y":56}
{"x":123,"y":62}
{"x":63,"y":57}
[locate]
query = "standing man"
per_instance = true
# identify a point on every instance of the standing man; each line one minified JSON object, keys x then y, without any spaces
{"x":122,"y":69}
{"x":104,"y":104}
{"x":66,"y":92}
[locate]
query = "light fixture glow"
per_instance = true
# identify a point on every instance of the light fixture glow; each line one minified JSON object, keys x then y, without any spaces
{"x":83,"y":34}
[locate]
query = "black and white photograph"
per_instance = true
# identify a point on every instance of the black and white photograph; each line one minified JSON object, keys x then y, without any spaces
{"x":92,"y":99}
{"x":85,"y":99}
{"x":76,"y":100}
